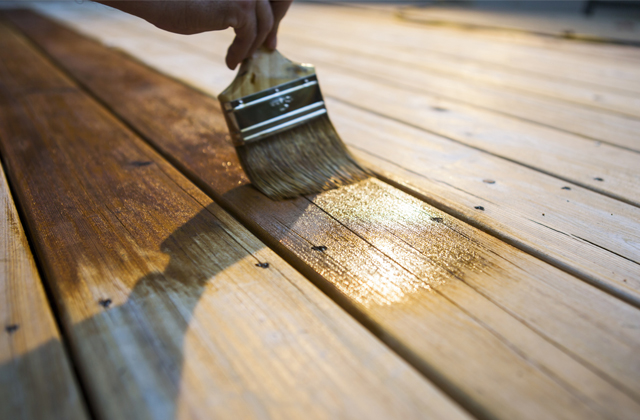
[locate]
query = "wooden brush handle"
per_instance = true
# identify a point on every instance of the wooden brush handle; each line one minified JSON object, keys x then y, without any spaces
{"x":264,"y":70}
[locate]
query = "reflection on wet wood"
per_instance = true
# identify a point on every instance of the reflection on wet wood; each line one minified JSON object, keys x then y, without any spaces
{"x":585,"y":233}
{"x":36,"y":382}
{"x":472,"y":313}
{"x":173,"y":310}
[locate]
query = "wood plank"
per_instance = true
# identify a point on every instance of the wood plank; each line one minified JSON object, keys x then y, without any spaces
{"x":416,"y":72}
{"x":568,"y":24}
{"x":162,"y":293}
{"x":592,"y":124}
{"x":35,"y":375}
{"x":598,"y":50}
{"x":600,"y":246}
{"x":618,"y":76}
{"x":590,"y":164}
{"x":472,"y":313}
{"x":468,"y":70}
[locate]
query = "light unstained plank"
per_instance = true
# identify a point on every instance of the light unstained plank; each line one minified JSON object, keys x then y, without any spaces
{"x":599,"y":50}
{"x":408,"y":70}
{"x":507,"y":335}
{"x":36,"y":382}
{"x":160,"y":290}
{"x":601,"y":245}
{"x":567,"y":24}
{"x":591,"y":164}
{"x":566,"y":45}
{"x":467,"y":70}
{"x":615,"y":75}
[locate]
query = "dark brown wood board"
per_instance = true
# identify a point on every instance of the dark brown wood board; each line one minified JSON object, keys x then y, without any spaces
{"x":172,"y":309}
{"x":36,"y":381}
{"x":471,"y":312}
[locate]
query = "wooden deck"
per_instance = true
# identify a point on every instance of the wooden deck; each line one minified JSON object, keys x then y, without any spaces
{"x":491,"y":270}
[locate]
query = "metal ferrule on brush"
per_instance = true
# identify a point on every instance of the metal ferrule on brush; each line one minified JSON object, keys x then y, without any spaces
{"x":271,"y":111}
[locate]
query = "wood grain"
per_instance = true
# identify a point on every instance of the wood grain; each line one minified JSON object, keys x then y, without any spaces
{"x":566,"y":45}
{"x":614,"y":75}
{"x":36,"y":382}
{"x":588,"y":163}
{"x":600,"y":245}
{"x":401,"y":95}
{"x":173,"y":310}
{"x":505,"y":334}
{"x":408,"y":69}
{"x":481,"y":74}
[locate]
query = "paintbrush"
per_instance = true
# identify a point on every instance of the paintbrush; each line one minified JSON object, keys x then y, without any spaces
{"x":279,"y":125}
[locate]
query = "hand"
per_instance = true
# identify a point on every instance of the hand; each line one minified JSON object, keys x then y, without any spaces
{"x":255,"y":22}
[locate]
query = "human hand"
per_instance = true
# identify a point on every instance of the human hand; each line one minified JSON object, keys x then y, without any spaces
{"x":255,"y":22}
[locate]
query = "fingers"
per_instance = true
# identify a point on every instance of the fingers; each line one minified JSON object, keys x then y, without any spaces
{"x":279,"y":8}
{"x":252,"y":26}
{"x":265,"y":23}
{"x":245,"y":27}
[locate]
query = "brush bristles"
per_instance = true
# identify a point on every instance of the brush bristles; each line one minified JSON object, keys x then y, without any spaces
{"x":306,"y":159}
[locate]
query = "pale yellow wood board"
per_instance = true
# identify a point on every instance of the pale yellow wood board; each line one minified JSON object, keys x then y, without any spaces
{"x":573,"y":24}
{"x":620,"y":76}
{"x":595,"y":124}
{"x":565,"y":45}
{"x":465,"y":71}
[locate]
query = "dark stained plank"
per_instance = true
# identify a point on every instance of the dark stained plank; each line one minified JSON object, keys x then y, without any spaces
{"x":173,"y":309}
{"x":507,"y":335}
{"x":36,"y":382}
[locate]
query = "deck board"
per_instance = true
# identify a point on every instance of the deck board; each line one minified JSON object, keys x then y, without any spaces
{"x":619,"y":76}
{"x":555,"y":343}
{"x":160,"y":292}
{"x":460,"y":69}
{"x":36,"y":381}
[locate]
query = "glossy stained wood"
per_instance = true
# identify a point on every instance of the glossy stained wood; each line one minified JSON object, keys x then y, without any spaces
{"x":173,"y":310}
{"x":506,"y":335}
{"x":584,"y":233}
{"x":35,"y":376}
